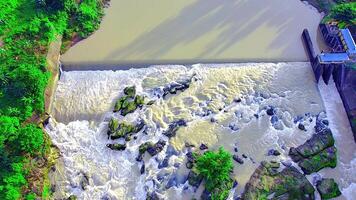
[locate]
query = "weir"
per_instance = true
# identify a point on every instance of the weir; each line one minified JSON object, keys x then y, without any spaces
{"x":339,"y":64}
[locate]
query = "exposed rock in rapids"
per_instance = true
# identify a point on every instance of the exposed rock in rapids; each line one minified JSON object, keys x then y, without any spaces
{"x":142,"y":170}
{"x":194,"y":179}
{"x":301,"y":127}
{"x":326,"y":158}
{"x":238,"y":159}
{"x":266,"y":181}
{"x":173,"y":88}
{"x":84,"y":181}
{"x":72,"y":197}
{"x":153,"y":196}
{"x":273,"y":152}
{"x":129,"y":102}
{"x":130,"y":91}
{"x":203,"y":147}
{"x":316,"y":153}
{"x":173,"y":128}
{"x":117,"y":147}
{"x":270,"y":111}
{"x":328,"y":188}
{"x":152,"y":149}
{"x":123,"y":130}
{"x":205,"y":195}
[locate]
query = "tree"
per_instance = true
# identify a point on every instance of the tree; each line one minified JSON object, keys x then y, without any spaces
{"x":30,"y":139}
{"x":8,"y":129}
{"x":345,"y":12}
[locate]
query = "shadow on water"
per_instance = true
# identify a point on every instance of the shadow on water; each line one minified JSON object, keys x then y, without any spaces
{"x":203,"y":17}
{"x":126,"y":65}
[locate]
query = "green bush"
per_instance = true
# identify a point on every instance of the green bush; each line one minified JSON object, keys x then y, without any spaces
{"x":88,"y":17}
{"x":30,"y":139}
{"x":216,"y":168}
{"x":26,"y":29}
{"x":345,"y":13}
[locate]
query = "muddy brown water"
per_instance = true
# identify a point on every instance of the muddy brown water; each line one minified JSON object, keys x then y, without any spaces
{"x":196,"y":31}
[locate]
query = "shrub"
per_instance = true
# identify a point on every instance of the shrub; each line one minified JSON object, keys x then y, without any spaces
{"x":88,"y":17}
{"x":345,"y":13}
{"x":216,"y":168}
{"x":30,"y":139}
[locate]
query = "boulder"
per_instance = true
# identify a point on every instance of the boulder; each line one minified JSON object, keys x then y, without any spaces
{"x":152,"y":149}
{"x":316,"y":153}
{"x":173,"y":88}
{"x":238,"y":159}
{"x":326,"y":158}
{"x":328,"y":188}
{"x":270,"y":111}
{"x":130,"y":91}
{"x":289,"y":183}
{"x":173,"y":128}
{"x":301,"y":127}
{"x":156,"y":148}
{"x":273,"y":152}
{"x":84,"y":181}
{"x":153,"y":196}
{"x":142,"y":169}
{"x":316,"y":143}
{"x":117,"y":147}
{"x":205,"y":195}
{"x":129,"y":102}
{"x":194,"y":179}
{"x":203,"y":147}
{"x":123,"y":130}
{"x":72,"y":197}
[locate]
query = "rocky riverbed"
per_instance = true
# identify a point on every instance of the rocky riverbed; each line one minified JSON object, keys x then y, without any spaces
{"x":130,"y":134}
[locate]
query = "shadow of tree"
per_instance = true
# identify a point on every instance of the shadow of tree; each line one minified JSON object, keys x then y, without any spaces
{"x":232,"y":20}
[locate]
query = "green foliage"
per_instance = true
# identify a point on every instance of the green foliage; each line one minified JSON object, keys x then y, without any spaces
{"x":30,"y":139}
{"x":31,"y":196}
{"x":216,"y":168}
{"x":345,"y":13}
{"x":88,"y":17}
{"x":26,"y":29}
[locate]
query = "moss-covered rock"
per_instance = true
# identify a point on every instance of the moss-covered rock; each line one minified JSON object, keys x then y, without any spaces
{"x":194,"y":179}
{"x":129,"y":102}
{"x":287,"y":184}
{"x":117,"y":147}
{"x":173,"y":128}
{"x":130,"y":91}
{"x":326,"y":158}
{"x":152,"y":149}
{"x":316,"y":143}
{"x":113,"y":126}
{"x":316,"y":153}
{"x":328,"y":188}
{"x":139,"y":100}
{"x":123,"y":130}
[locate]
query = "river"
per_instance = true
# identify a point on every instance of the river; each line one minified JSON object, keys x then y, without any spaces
{"x":197,"y":31}
{"x":83,"y":106}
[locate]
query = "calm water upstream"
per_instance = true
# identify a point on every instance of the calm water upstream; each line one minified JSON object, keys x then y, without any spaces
{"x":191,"y":31}
{"x":84,"y":101}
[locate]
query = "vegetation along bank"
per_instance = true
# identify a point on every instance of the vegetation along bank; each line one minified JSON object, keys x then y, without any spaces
{"x":27,"y":28}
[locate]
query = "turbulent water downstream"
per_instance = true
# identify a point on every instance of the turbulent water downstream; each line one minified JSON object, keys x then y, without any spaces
{"x":225,"y":105}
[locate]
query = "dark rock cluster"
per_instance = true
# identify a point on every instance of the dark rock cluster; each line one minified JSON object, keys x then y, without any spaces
{"x":129,"y":102}
{"x":267,"y":181}
{"x":316,"y":153}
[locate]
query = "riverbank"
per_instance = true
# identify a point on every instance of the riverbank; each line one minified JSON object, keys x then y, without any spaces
{"x":198,"y":31}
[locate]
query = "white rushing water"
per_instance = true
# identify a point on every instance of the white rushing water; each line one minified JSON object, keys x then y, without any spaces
{"x":84,"y":101}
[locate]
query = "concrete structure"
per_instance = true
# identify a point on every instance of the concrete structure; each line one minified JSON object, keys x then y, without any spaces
{"x":339,"y":63}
